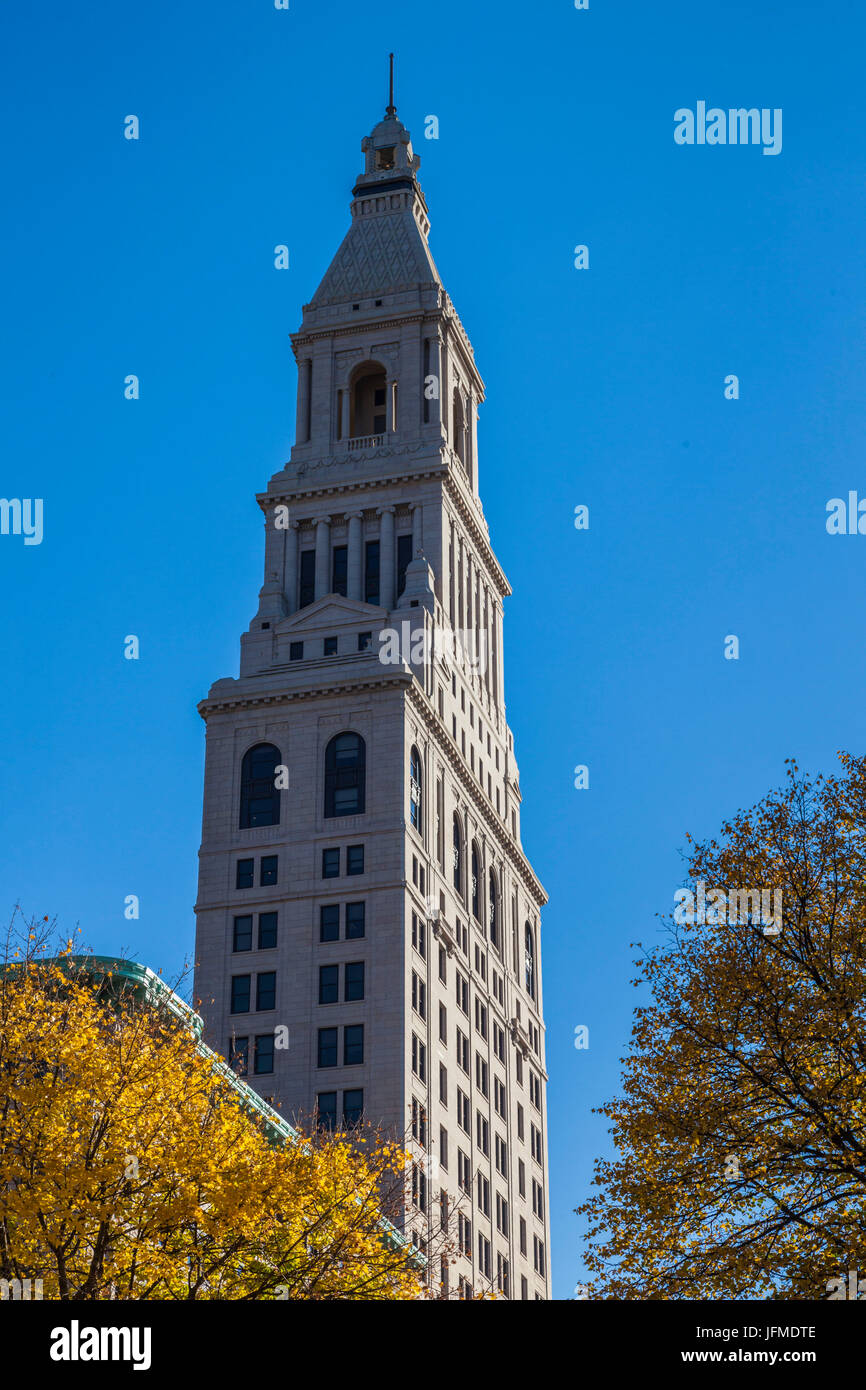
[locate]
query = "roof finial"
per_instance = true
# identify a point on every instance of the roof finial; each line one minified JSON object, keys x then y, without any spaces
{"x":392,"y":110}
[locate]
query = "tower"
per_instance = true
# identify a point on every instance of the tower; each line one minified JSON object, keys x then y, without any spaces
{"x":368,"y":929}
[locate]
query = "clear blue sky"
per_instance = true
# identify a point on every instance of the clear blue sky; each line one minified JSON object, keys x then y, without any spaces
{"x":605,"y":387}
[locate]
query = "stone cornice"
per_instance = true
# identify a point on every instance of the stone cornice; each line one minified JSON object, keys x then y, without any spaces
{"x":220,"y":704}
{"x":510,"y":850}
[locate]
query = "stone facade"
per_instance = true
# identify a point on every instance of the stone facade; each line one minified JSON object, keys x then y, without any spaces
{"x":375,"y":528}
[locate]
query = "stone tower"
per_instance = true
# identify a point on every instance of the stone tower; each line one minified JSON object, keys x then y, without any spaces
{"x":368,"y":934}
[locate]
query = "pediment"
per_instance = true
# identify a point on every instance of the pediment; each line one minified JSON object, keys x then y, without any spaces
{"x":331,"y":611}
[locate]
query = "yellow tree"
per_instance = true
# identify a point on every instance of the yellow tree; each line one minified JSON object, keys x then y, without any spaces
{"x":741,"y":1131}
{"x":129,"y":1170}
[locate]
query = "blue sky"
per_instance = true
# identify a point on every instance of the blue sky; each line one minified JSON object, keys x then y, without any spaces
{"x":605,"y":387}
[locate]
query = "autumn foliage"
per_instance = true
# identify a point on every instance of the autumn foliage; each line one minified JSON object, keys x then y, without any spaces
{"x":128,"y":1169}
{"x":741,"y":1127}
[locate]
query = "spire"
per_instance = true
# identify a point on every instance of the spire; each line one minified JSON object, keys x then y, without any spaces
{"x":390,"y":110}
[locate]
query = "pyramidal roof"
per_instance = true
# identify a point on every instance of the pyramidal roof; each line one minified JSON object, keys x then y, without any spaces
{"x":385,"y":249}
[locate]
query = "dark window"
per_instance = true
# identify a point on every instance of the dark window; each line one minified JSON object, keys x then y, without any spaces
{"x":354,"y":981}
{"x":266,"y":990}
{"x":529,"y":961}
{"x":329,"y":984}
{"x":264,"y":1056}
{"x":331,"y":863}
{"x":355,"y":859}
{"x":416,"y":785}
{"x":326,"y":1110}
{"x":245,"y":873}
{"x":268,"y":870}
{"x":476,"y":885}
{"x":353,"y":1045}
{"x":260,"y":800}
{"x":242,"y":937}
{"x":345,"y":775}
{"x":353,"y":1108}
{"x":267,"y":931}
{"x":296,"y":651}
{"x":328,"y":1047}
{"x":330,"y":646}
{"x":371,"y":572}
{"x":239,"y":1054}
{"x":457,"y":854}
{"x":494,"y":910}
{"x":329,"y":922}
{"x":308,"y":578}
{"x":404,"y":555}
{"x":340,"y":570}
{"x":240,"y":994}
{"x":355,"y":920}
{"x":365,"y":641}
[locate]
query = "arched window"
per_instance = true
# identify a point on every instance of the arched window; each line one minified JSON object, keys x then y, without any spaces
{"x":529,"y":960}
{"x":476,"y":884}
{"x":458,"y":426}
{"x":260,"y":800}
{"x":416,"y":785}
{"x":367,"y":401}
{"x":494,"y":910}
{"x":457,"y":855}
{"x":345,"y":775}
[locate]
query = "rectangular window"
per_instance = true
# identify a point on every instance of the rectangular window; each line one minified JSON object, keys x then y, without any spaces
{"x":307,"y":587}
{"x":464,"y":1173}
{"x":520,"y":1121}
{"x":244,"y":873}
{"x":242,"y":936}
{"x":501,"y":1156}
{"x":538,"y":1261}
{"x":404,"y":555}
{"x":267,"y":931}
{"x":266,"y":991}
{"x":419,"y":995}
{"x":443,"y":1148}
{"x":296,"y":651}
{"x":419,"y":933}
{"x":355,"y":920}
{"x":462,"y":990}
{"x":443,"y":1024}
{"x":329,"y":976}
{"x":238,"y":1054}
{"x":326,"y":1110}
{"x":522,"y":1236}
{"x":483,"y":1187}
{"x":371,"y":572}
{"x":354,"y":981}
{"x":353,"y":1045}
{"x":328,"y":1047}
{"x":329,"y":646}
{"x":329,"y":922}
{"x":268,"y":870}
{"x":481,"y":1075}
{"x":484,"y":1255}
{"x":353,"y":1108}
{"x":443,"y":1083}
{"x":240,"y":994}
{"x":464,"y":1112}
{"x":355,"y":859}
{"x":521,"y":1177}
{"x":365,"y":641}
{"x":339,"y":570}
{"x":331,"y":863}
{"x":482,"y":1133}
{"x":502,"y":1275}
{"x":463,"y":1051}
{"x":264,"y":1058}
{"x":443,"y":965}
{"x":480,"y":1017}
{"x":419,"y":1058}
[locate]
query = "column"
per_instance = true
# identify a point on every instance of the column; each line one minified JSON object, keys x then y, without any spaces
{"x":390,"y":407}
{"x":355,"y":586}
{"x":387,"y":562}
{"x":473,"y":425}
{"x":323,"y":556}
{"x":290,"y":572}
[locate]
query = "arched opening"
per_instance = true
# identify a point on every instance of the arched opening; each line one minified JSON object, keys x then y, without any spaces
{"x":416,"y":785}
{"x":457,"y":855}
{"x":529,"y":960}
{"x":345,"y":775}
{"x":493,"y":903}
{"x":260,"y":799}
{"x":458,"y":426}
{"x":368,"y":413}
{"x":476,"y":883}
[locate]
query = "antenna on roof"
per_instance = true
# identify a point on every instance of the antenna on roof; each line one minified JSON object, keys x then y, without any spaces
{"x":392,"y":110}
